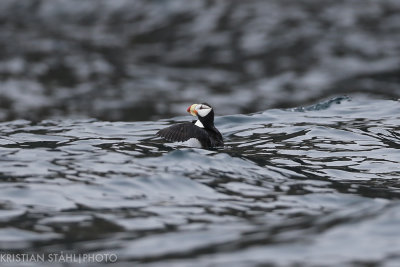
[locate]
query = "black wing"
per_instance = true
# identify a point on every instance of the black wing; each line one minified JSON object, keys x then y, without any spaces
{"x":184,"y":131}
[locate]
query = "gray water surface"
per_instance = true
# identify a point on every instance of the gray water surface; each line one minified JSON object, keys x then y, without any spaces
{"x":308,"y":186}
{"x":131,"y":60}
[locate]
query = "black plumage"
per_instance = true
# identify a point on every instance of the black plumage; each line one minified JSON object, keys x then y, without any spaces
{"x":208,"y":136}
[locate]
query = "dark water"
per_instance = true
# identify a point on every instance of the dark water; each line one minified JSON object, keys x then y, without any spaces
{"x":130,"y":60}
{"x":316,"y":186}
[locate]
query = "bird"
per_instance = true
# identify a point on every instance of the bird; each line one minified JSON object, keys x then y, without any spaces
{"x":198,"y":133}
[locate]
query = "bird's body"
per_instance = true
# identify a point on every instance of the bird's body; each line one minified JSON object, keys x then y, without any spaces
{"x":202,"y":131}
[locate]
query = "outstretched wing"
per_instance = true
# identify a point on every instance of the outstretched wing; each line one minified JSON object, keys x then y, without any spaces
{"x":182,"y":132}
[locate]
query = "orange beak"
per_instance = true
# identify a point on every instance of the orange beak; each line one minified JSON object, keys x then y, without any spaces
{"x":192,"y":110}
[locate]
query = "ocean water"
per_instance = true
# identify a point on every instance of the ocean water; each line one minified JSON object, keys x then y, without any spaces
{"x":308,"y":186}
{"x":131,"y":60}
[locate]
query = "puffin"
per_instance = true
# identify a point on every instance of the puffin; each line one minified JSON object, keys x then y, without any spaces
{"x":198,"y":133}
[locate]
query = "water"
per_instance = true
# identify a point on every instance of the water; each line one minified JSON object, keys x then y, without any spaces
{"x":316,"y":184}
{"x":307,"y":186}
{"x":130,"y":60}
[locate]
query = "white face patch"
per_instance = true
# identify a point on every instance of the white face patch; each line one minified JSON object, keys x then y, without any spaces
{"x":199,"y":124}
{"x":203,"y":110}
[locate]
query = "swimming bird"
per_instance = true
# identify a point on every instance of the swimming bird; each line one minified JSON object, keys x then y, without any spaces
{"x":198,"y":133}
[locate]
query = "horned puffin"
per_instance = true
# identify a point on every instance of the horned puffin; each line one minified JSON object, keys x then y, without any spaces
{"x":198,"y":133}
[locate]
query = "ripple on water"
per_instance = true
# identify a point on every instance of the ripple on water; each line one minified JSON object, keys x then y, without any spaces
{"x":306,"y":185}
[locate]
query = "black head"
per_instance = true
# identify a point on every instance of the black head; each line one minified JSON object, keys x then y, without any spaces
{"x":204,"y":112}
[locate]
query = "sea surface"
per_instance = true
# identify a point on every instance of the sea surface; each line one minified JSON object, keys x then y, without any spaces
{"x":307,"y":186}
{"x":308,"y":177}
{"x":141,"y":60}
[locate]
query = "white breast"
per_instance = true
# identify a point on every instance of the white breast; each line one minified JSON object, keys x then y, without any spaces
{"x":192,"y":142}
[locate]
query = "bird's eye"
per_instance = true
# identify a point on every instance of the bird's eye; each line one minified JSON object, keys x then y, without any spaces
{"x":204,"y":107}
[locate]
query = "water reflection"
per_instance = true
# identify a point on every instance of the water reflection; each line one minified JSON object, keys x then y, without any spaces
{"x":143,"y":60}
{"x":301,"y":183}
